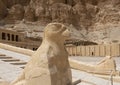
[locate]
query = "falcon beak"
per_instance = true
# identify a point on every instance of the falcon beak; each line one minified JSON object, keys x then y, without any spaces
{"x":66,"y":33}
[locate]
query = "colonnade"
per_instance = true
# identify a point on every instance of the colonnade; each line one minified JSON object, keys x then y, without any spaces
{"x":94,"y":50}
{"x":10,"y":37}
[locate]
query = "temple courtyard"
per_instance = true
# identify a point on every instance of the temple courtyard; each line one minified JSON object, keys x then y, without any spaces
{"x":12,"y":64}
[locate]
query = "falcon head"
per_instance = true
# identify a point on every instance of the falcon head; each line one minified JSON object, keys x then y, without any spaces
{"x":56,"y":31}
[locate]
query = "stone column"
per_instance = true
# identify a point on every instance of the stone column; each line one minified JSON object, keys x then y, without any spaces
{"x":97,"y":50}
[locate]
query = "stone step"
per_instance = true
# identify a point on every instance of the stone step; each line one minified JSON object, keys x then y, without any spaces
{"x":19,"y":63}
{"x":22,"y":67}
{"x":2,"y":55}
{"x":75,"y":82}
{"x":5,"y":57}
{"x":10,"y":60}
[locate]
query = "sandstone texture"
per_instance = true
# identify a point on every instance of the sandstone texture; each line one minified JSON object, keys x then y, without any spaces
{"x":104,"y":67}
{"x":3,"y":10}
{"x":10,"y":3}
{"x":16,"y":12}
{"x":49,"y":65}
{"x":96,"y":19}
{"x":80,"y":13}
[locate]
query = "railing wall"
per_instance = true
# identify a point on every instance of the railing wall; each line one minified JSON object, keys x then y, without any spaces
{"x":94,"y":50}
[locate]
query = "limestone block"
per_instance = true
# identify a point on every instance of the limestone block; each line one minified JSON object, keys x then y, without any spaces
{"x":115,"y":50}
{"x":78,"y":50}
{"x":106,"y":65}
{"x":29,"y":14}
{"x":3,"y":9}
{"x":16,"y":12}
{"x":102,"y":50}
{"x":82,"y":51}
{"x":97,"y":50}
{"x":74,"y":50}
{"x":119,"y":49}
{"x":108,"y":50}
{"x":87,"y":50}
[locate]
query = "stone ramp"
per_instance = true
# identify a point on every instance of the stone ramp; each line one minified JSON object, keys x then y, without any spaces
{"x":19,"y":63}
{"x":90,"y":79}
{"x":11,"y":60}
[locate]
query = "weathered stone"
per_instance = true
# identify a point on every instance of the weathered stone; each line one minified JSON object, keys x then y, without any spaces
{"x":3,"y":10}
{"x":49,"y":65}
{"x":16,"y":12}
{"x":29,"y":14}
{"x":104,"y":67}
{"x":108,"y":15}
{"x":92,"y":2}
{"x":80,"y":15}
{"x":10,"y":3}
{"x":61,"y":13}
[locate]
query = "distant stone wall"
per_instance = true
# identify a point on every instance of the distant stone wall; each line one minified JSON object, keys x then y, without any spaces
{"x":26,"y":45}
{"x":94,"y":50}
{"x":16,"y":49}
{"x":10,"y":35}
{"x":18,"y":39}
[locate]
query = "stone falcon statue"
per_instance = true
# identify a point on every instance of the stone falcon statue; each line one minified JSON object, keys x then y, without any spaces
{"x":49,"y":65}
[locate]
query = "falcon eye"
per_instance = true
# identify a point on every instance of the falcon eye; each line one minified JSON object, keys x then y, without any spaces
{"x":57,"y":27}
{"x":63,"y":28}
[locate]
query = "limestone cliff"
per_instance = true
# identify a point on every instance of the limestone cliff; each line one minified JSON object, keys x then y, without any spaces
{"x":3,"y":9}
{"x":80,"y":13}
{"x":88,"y":15}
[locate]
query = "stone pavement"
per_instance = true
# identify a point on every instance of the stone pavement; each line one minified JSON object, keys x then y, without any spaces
{"x":9,"y":71}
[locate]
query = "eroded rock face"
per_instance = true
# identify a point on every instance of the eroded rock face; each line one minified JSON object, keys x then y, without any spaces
{"x":109,"y":14}
{"x":74,"y":12}
{"x":61,"y":13}
{"x":89,"y":15}
{"x":49,"y":65}
{"x":10,"y":3}
{"x":16,"y":12}
{"x":3,"y":10}
{"x":83,"y":14}
{"x":29,"y":14}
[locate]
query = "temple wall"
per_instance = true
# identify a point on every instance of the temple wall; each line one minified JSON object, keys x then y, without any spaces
{"x":11,"y":35}
{"x":95,"y":50}
{"x":17,"y":39}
